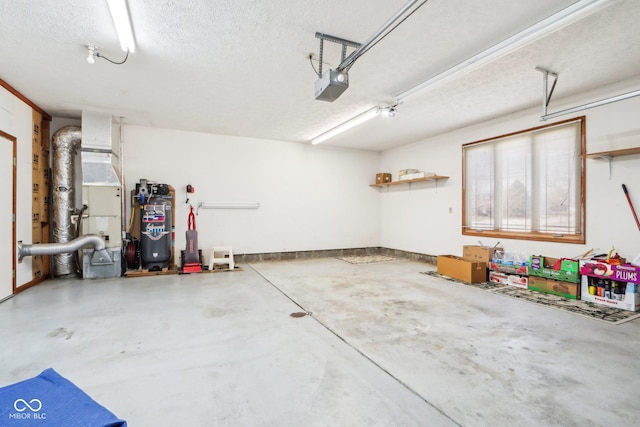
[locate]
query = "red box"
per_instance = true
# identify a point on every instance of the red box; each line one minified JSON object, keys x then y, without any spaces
{"x":509,"y":279}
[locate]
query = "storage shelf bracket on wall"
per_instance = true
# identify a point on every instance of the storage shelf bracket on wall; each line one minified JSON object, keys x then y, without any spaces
{"x":608,"y":159}
{"x":609,"y":155}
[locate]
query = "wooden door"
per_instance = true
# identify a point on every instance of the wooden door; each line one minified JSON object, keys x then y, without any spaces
{"x":7,"y":215}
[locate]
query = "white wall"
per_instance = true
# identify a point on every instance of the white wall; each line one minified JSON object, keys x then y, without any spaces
{"x":16,"y":119}
{"x":311,"y":197}
{"x":58,"y":123}
{"x":418,"y":219}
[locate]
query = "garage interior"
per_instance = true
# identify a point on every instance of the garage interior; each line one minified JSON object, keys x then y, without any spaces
{"x":215,"y":113}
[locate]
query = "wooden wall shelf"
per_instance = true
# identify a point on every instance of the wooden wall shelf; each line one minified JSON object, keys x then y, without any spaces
{"x":409,"y":181}
{"x":614,"y":153}
{"x":609,"y":155}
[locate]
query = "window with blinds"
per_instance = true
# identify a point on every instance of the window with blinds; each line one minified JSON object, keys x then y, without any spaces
{"x":527,"y":185}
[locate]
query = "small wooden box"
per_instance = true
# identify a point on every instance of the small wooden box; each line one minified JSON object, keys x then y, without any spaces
{"x":383,"y":178}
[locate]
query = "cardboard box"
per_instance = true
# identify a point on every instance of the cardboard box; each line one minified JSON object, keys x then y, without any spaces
{"x":461,"y":269}
{"x":409,"y":176}
{"x":625,"y":297}
{"x":565,"y":270}
{"x":626,"y":273}
{"x":516,"y":280}
{"x":602,"y":269}
{"x":509,"y":267}
{"x":44,"y":213}
{"x":402,"y":173}
{"x":556,"y":287}
{"x":36,"y":266}
{"x":383,"y":178}
{"x":479,"y":253}
{"x":621,"y":279}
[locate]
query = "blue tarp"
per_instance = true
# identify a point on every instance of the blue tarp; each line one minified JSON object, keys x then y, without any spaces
{"x":51,"y":400}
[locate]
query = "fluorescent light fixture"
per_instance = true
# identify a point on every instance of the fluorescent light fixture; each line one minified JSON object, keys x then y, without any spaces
{"x":122,"y":22}
{"x":565,"y":17}
{"x":351,"y":123}
{"x":591,"y":105}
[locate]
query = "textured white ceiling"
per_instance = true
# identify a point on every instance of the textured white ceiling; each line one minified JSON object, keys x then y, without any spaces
{"x":241,"y":67}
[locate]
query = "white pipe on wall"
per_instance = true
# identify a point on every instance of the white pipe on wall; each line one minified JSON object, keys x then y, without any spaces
{"x":229,"y":205}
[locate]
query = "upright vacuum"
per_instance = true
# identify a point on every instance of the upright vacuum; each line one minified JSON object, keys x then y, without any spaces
{"x":191,"y":253}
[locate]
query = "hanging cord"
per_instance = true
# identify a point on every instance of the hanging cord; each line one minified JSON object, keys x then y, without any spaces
{"x":314,"y":67}
{"x":133,"y":214}
{"x":113,"y":62}
{"x":386,"y":34}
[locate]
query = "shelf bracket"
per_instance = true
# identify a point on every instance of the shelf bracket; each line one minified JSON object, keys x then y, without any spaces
{"x":608,"y":158}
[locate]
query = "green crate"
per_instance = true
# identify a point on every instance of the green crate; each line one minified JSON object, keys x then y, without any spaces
{"x":542,"y":266}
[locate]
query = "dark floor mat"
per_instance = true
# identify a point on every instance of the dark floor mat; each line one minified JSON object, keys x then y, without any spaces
{"x":369,"y":259}
{"x":583,"y":308}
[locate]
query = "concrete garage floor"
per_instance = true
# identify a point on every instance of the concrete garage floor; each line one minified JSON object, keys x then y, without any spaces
{"x":383,"y":346}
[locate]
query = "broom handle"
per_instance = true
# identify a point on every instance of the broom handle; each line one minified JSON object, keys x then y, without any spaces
{"x":633,"y":211}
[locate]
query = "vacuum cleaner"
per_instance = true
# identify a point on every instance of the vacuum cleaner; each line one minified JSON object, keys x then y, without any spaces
{"x":191,"y":253}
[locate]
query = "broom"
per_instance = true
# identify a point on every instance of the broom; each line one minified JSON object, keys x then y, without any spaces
{"x":633,"y":211}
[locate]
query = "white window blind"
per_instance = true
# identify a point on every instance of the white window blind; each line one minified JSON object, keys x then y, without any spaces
{"x":529,"y":182}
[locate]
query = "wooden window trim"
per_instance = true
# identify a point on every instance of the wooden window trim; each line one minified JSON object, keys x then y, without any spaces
{"x":533,"y":235}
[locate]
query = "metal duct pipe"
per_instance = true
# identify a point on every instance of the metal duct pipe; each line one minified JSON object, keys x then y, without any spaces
{"x":66,"y":142}
{"x":67,"y":247}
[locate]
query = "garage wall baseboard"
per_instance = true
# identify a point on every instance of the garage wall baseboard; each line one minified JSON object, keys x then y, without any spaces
{"x":332,"y":253}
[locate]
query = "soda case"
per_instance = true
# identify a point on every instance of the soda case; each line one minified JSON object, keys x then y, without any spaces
{"x":613,"y":285}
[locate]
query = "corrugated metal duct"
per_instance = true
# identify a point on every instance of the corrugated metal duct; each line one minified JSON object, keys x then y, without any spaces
{"x":66,"y":142}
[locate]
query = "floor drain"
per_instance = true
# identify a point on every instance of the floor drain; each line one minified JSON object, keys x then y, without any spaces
{"x":298,"y":314}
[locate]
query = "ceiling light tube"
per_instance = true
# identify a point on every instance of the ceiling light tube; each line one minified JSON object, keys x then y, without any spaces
{"x":557,"y":21}
{"x":591,"y":105}
{"x":122,"y":22}
{"x":351,"y":123}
